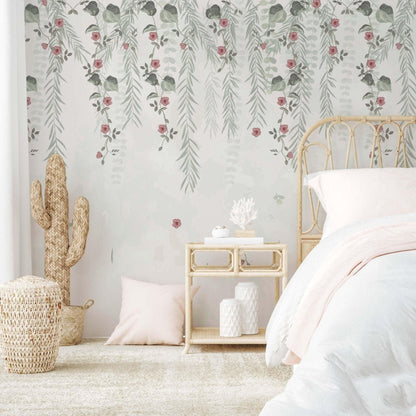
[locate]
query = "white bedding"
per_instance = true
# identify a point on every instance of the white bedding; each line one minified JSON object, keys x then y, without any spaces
{"x":362,"y":358}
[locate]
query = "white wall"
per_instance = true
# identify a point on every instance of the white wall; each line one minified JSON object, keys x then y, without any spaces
{"x":135,"y":195}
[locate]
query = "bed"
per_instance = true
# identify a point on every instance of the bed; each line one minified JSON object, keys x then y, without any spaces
{"x":347,"y":319}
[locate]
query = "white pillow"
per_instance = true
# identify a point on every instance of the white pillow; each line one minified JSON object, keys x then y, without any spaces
{"x":351,"y":195}
{"x":150,"y":313}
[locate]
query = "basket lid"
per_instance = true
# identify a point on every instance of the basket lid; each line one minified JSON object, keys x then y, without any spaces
{"x":29,"y":282}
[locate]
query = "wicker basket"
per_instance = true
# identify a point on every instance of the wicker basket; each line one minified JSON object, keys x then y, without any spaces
{"x":30,"y":324}
{"x":73,"y":323}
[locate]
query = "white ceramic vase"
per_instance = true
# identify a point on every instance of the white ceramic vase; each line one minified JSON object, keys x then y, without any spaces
{"x":248,"y":295}
{"x":230,"y":320}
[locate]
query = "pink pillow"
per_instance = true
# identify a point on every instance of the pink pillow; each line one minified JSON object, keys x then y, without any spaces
{"x":351,"y":195}
{"x":150,"y":313}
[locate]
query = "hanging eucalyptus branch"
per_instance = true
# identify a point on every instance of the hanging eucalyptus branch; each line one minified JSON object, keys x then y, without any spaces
{"x":330,"y":56}
{"x":58,"y":54}
{"x":302,"y":82}
{"x":405,"y":22}
{"x":257,"y":77}
{"x":212,"y":80}
{"x":132,"y":86}
{"x":211,"y":112}
{"x":230,"y":82}
{"x":188,"y":157}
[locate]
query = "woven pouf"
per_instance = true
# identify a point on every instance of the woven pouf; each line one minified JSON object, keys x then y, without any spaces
{"x":30,"y":324}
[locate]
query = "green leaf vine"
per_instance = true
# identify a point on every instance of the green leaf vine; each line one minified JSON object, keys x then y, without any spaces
{"x":160,"y":85}
{"x":296,"y":85}
{"x":378,"y":47}
{"x":105,"y":84}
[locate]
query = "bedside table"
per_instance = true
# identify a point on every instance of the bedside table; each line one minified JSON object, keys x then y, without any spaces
{"x":234,"y":268}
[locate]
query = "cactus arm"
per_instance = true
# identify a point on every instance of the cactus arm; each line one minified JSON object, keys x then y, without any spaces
{"x":80,"y":228}
{"x":36,"y":202}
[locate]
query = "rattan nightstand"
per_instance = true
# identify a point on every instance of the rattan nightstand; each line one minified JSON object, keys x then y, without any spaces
{"x":234,"y":268}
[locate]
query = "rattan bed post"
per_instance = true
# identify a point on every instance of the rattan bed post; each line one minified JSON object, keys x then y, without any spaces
{"x":300,"y":161}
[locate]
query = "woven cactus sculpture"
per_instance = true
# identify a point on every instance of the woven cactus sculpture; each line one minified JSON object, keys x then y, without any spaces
{"x":52,"y":216}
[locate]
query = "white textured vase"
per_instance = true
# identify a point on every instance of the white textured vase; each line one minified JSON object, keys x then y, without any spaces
{"x":248,"y":295}
{"x":230,"y":320}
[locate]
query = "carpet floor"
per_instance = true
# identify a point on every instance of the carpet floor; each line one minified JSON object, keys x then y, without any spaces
{"x":92,"y":379}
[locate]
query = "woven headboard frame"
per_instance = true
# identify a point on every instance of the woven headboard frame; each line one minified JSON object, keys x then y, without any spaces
{"x":393,"y":131}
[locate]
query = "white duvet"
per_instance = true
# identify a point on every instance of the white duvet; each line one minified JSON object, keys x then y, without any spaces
{"x":362,"y":357}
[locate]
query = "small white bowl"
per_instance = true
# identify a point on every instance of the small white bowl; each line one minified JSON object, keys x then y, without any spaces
{"x":220,"y":231}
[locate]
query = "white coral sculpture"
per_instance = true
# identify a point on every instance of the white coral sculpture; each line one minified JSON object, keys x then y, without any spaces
{"x":243,"y":212}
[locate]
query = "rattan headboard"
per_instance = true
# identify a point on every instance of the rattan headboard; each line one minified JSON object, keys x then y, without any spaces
{"x":382,"y":141}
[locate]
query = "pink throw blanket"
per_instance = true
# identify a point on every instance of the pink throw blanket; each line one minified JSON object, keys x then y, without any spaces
{"x":346,"y":261}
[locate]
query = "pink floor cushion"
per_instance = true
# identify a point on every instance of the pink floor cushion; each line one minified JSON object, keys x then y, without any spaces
{"x":150,"y":313}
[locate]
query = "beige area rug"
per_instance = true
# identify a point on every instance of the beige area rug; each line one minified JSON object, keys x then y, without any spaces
{"x":94,"y":379}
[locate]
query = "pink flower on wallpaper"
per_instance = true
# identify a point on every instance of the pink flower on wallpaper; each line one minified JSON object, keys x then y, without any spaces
{"x":289,"y":155}
{"x":291,"y":63}
{"x":368,"y":36}
{"x":223,"y":22}
{"x":28,"y":101}
{"x":381,"y":101}
{"x":335,"y":22}
{"x":164,"y":101}
{"x":371,"y":63}
{"x":316,"y":4}
{"x":153,"y":35}
{"x":125,"y":45}
{"x":162,"y":129}
{"x":182,"y":45}
{"x":284,"y":128}
{"x":256,"y":131}
{"x":378,"y":127}
{"x":293,"y":36}
{"x":56,"y":50}
{"x":281,"y":101}
{"x":263,"y":45}
{"x":98,"y":63}
{"x":59,"y":22}
{"x":105,"y":128}
{"x":44,"y":2}
{"x":107,"y":101}
{"x":99,"y":155}
{"x":332,"y":50}
{"x":370,"y":154}
{"x":176,"y":223}
{"x":221,"y":50}
{"x":44,"y":45}
{"x":95,"y":36}
{"x":155,"y":63}
{"x":398,"y":46}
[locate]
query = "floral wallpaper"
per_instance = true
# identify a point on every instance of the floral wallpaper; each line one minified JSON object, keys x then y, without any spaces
{"x":201,"y":102}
